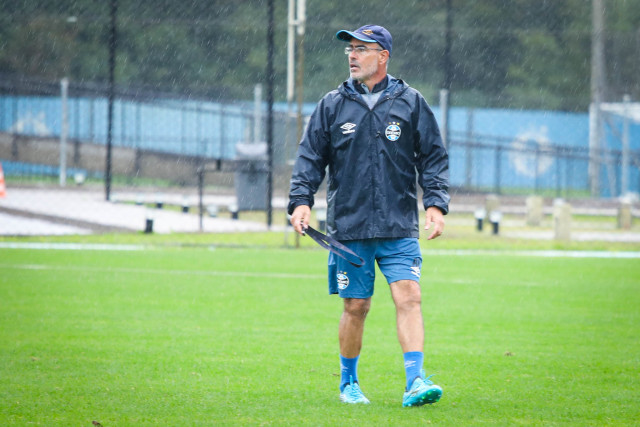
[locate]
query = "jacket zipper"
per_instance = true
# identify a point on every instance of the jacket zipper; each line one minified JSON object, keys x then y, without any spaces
{"x":374,"y":152}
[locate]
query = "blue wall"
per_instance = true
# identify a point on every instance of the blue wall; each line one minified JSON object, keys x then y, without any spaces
{"x":191,"y":128}
{"x":513,"y":148}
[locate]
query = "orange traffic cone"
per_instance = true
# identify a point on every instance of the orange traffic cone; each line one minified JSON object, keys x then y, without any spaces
{"x":3,"y":187}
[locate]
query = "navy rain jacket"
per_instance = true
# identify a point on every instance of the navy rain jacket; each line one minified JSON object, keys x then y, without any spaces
{"x":372,"y":157}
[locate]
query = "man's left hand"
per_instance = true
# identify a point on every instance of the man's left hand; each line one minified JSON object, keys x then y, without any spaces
{"x":434,"y":216}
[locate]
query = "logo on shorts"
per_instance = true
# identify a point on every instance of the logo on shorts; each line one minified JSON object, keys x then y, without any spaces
{"x":393,"y":131}
{"x":343,"y":280}
{"x":348,"y":128}
{"x":415,"y":270}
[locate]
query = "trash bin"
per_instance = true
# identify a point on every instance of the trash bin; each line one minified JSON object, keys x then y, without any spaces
{"x":251,"y":176}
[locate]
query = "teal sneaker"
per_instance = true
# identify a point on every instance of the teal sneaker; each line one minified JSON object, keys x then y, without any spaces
{"x":423,"y":391}
{"x":352,"y":393}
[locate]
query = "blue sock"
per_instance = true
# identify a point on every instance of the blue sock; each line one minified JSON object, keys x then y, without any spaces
{"x":413,"y":365}
{"x":348,"y":368}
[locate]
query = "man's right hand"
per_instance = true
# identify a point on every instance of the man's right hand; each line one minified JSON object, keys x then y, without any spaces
{"x":300,"y":218}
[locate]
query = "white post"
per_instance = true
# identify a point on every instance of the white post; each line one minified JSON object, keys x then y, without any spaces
{"x":595,"y":138}
{"x":64,"y":130}
{"x":257,"y":113}
{"x":444,"y":116}
{"x":534,"y":210}
{"x":291,"y":51}
{"x":562,"y":220}
{"x":469,"y":151}
{"x":624,"y":187}
{"x":302,"y":16}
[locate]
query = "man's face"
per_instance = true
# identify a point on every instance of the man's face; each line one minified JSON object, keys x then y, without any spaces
{"x":363,"y":66}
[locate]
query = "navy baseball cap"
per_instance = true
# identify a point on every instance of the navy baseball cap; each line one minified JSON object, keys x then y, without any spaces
{"x":368,"y":34}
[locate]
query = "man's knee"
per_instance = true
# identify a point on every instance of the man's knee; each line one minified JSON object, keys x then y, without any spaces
{"x":406,"y":294}
{"x":357,"y":307}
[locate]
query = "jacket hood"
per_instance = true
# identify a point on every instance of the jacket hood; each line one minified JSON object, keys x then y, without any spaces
{"x":394,"y":88}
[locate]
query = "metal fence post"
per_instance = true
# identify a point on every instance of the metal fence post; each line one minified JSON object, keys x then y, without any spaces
{"x":200,"y":172}
{"x":624,"y":185}
{"x":113,"y":40}
{"x":498,"y":172}
{"x":469,"y":151}
{"x":536,"y":181}
{"x":64,"y":130}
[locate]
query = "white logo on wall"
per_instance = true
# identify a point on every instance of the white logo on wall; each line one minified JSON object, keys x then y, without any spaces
{"x":30,"y":124}
{"x":523,"y":157}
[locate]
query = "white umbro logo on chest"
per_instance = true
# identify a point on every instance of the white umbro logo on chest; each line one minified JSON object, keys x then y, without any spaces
{"x":348,"y":128}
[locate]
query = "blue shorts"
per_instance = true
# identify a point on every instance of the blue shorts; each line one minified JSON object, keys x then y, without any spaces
{"x":398,"y":259}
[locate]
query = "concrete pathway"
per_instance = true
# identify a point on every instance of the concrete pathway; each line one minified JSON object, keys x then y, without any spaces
{"x":34,"y":211}
{"x":72,"y":210}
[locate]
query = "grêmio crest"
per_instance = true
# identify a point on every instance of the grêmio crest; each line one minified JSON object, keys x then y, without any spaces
{"x":393,"y":131}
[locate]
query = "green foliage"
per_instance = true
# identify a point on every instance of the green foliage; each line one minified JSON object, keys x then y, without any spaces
{"x":249,"y":336}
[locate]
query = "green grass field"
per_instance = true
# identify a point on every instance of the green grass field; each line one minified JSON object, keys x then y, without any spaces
{"x":233,"y":336}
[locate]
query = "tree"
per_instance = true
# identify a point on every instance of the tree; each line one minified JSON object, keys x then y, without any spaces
{"x":506,"y":53}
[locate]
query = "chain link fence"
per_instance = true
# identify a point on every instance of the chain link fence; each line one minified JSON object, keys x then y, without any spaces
{"x":173,"y":137}
{"x":162,"y":139}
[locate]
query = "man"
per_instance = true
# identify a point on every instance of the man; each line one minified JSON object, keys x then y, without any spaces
{"x":374,"y":133}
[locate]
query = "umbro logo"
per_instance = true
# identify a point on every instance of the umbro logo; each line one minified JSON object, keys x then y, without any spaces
{"x":348,"y":128}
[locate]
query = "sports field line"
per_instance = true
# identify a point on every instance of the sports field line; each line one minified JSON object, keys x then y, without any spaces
{"x":535,"y":253}
{"x":214,"y":273}
{"x":71,"y":246}
{"x":428,"y":252}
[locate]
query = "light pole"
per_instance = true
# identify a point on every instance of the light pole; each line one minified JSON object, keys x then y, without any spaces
{"x":112,"y":65}
{"x":270,"y":78}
